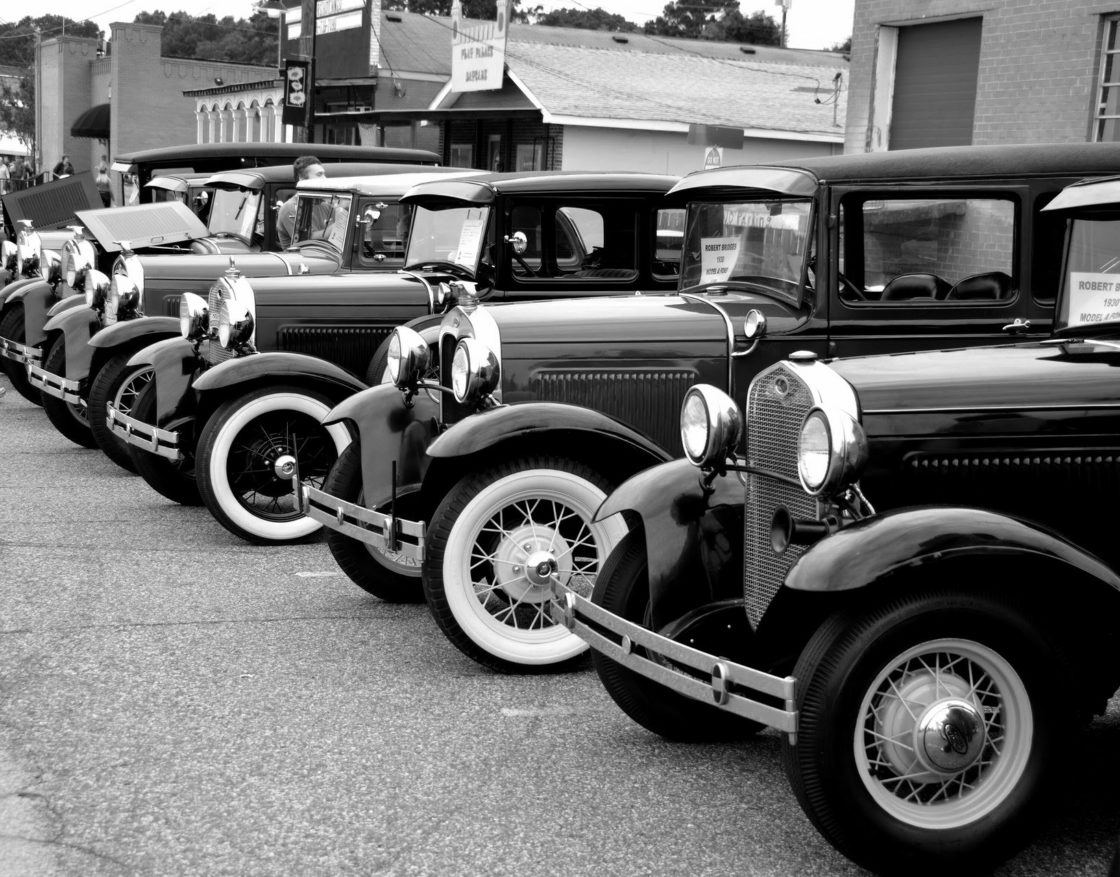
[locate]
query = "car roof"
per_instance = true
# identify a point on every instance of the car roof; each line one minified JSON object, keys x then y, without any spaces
{"x":178,"y":182}
{"x":484,"y":188}
{"x":380,"y":184}
{"x":961,"y":162}
{"x":281,"y":151}
{"x":255,"y":178}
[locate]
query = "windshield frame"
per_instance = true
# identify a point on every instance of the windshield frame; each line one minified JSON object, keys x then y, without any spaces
{"x":474,"y":231}
{"x":793,"y":291}
{"x":332,"y":235}
{"x":243,"y":222}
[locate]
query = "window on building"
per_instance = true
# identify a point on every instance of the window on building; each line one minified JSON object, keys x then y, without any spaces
{"x":1106,"y":126}
{"x":530,"y":156}
{"x":462,"y":155}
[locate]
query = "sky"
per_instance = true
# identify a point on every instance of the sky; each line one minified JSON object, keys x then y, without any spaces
{"x":812,"y":24}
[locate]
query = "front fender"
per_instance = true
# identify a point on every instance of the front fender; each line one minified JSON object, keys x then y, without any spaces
{"x":37,"y":298}
{"x":127,"y":331}
{"x":693,"y":533}
{"x":863,"y":553}
{"x":175,"y":362}
{"x":65,"y":304}
{"x":486,"y":428}
{"x":77,"y":325}
{"x":276,"y":367}
{"x":15,"y":286}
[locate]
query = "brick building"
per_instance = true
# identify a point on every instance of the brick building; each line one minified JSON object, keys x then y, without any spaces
{"x":945,"y":72}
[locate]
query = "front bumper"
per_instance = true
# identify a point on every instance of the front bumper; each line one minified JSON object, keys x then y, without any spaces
{"x":161,"y":442}
{"x":54,"y":385}
{"x":377,"y":529}
{"x":680,"y":668}
{"x":20,"y":353}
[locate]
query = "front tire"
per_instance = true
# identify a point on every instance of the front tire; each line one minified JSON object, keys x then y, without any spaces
{"x":69,"y":419}
{"x":488,"y":545}
{"x":925,"y":727}
{"x":622,"y":588}
{"x":12,"y":327}
{"x":115,"y":382}
{"x":174,"y":481}
{"x":237,"y":452}
{"x":371,"y":570}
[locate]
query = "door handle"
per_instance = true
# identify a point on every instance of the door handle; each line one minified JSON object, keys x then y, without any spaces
{"x":1018,"y":327}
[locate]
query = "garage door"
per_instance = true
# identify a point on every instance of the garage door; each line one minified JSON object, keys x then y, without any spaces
{"x":935,"y":84}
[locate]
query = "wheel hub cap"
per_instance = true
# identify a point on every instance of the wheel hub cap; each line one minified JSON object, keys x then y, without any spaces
{"x":527,"y":560}
{"x":285,"y":467}
{"x":949,"y":736}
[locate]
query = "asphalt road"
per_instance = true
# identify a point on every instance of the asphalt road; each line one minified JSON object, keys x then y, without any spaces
{"x":173,"y":701}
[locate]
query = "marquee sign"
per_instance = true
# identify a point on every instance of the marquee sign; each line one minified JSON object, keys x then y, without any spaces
{"x":478,"y":49}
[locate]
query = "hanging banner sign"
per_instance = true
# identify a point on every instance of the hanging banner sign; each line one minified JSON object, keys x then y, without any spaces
{"x":478,"y":49}
{"x":297,"y":92}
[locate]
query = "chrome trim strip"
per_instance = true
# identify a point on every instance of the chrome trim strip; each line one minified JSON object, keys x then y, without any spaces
{"x":53,"y":385}
{"x":715,"y":678}
{"x":161,"y":442}
{"x":427,"y":286}
{"x":361,"y":523}
{"x":984,"y":408}
{"x":730,"y":330}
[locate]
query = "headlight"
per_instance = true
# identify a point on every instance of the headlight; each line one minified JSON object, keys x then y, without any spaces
{"x":474,"y":370}
{"x":9,"y":252}
{"x":97,"y":289}
{"x":408,"y":357}
{"x":194,"y":316}
{"x":235,"y":323}
{"x":710,"y":425}
{"x":52,"y":267}
{"x":29,"y":248}
{"x":128,"y":281}
{"x":831,"y":451}
{"x":78,"y":256}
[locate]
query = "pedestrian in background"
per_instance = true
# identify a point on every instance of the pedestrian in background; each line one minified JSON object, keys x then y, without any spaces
{"x":103,"y":183}
{"x":5,"y":176}
{"x":64,"y":168}
{"x":306,"y":167}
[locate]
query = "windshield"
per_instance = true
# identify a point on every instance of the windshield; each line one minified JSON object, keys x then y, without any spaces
{"x":1090,"y":294}
{"x":760,"y":244}
{"x":234,"y":212}
{"x":324,"y":218}
{"x":454,"y":235}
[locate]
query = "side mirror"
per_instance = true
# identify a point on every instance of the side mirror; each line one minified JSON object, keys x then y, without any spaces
{"x":518,"y":241}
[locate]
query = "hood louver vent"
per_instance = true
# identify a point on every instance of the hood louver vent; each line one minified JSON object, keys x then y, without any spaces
{"x":143,"y":225}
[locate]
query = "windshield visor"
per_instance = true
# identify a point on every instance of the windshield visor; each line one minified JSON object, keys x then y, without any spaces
{"x":234,"y":212}
{"x":323,"y":218}
{"x":1090,"y":294}
{"x":759,"y":245}
{"x":455,"y":235}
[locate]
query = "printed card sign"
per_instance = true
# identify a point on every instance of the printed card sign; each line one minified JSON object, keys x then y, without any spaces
{"x":717,"y":258}
{"x":470,"y":239}
{"x":478,"y":49}
{"x":1093,"y":298}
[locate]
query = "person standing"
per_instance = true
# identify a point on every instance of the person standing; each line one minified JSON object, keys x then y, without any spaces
{"x":5,"y":176}
{"x":64,"y":168}
{"x":306,"y":167}
{"x":103,"y":183}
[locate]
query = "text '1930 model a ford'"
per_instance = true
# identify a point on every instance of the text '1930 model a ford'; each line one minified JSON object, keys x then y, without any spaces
{"x":81,"y":364}
{"x":476,"y":490}
{"x":873,"y":569}
{"x":238,"y":399}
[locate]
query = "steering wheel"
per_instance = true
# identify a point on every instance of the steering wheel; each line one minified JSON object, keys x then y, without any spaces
{"x":525,"y":265}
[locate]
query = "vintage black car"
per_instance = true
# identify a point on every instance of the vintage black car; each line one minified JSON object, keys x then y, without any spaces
{"x":130,"y":172}
{"x":544,"y":408}
{"x":108,"y":329}
{"x":238,"y":216}
{"x":906,"y":565}
{"x":491,"y":237}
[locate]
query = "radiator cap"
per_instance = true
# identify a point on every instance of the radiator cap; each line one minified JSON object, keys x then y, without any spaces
{"x":802,"y":356}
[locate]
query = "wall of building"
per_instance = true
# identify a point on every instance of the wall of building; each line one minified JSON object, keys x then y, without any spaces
{"x":664,"y":152}
{"x":1038,"y":66}
{"x":64,"y":79}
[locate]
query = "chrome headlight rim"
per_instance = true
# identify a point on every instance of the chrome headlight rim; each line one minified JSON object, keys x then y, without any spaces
{"x":78,"y":257}
{"x":29,"y":252}
{"x":51,"y":267}
{"x":408,"y":357}
{"x":710,"y":425}
{"x":838,"y":448}
{"x":123,"y":294}
{"x":474,"y":371}
{"x":235,"y":323}
{"x":194,"y":316}
{"x":9,"y":253}
{"x":97,"y":289}
{"x":131,"y":268}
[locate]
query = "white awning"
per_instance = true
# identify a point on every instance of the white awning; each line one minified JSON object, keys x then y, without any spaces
{"x":9,"y":145}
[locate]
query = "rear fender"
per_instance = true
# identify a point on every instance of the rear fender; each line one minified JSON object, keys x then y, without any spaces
{"x":869,"y":550}
{"x":276,"y":367}
{"x":176,"y":363}
{"x":693,"y":534}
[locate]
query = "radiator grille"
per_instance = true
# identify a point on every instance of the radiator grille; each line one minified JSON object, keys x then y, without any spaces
{"x":171,"y":306}
{"x":647,"y":399}
{"x":212,"y":351}
{"x":351,"y":347}
{"x":773,"y":424}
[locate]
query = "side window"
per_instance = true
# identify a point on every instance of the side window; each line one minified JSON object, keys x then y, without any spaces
{"x":955,"y":251}
{"x":1047,"y":245}
{"x":384,"y":235}
{"x":669,"y":243}
{"x":526,"y":219}
{"x":575,"y":241}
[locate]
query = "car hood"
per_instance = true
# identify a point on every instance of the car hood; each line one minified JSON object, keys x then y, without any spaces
{"x":1016,"y":377}
{"x":190,"y":265}
{"x":632,"y":318}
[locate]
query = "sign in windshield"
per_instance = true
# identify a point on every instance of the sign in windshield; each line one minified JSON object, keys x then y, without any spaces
{"x":758,"y":243}
{"x":324,"y":218}
{"x":455,"y":235}
{"x":1091,"y":285}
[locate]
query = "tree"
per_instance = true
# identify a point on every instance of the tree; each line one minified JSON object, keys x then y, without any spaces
{"x":480,"y":9}
{"x":588,"y":19}
{"x":204,"y":37}
{"x":716,"y":21}
{"x":843,"y":48}
{"x":17,"y":102}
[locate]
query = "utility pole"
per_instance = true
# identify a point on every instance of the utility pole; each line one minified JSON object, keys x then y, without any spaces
{"x":785,"y":4}
{"x":310,"y":137}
